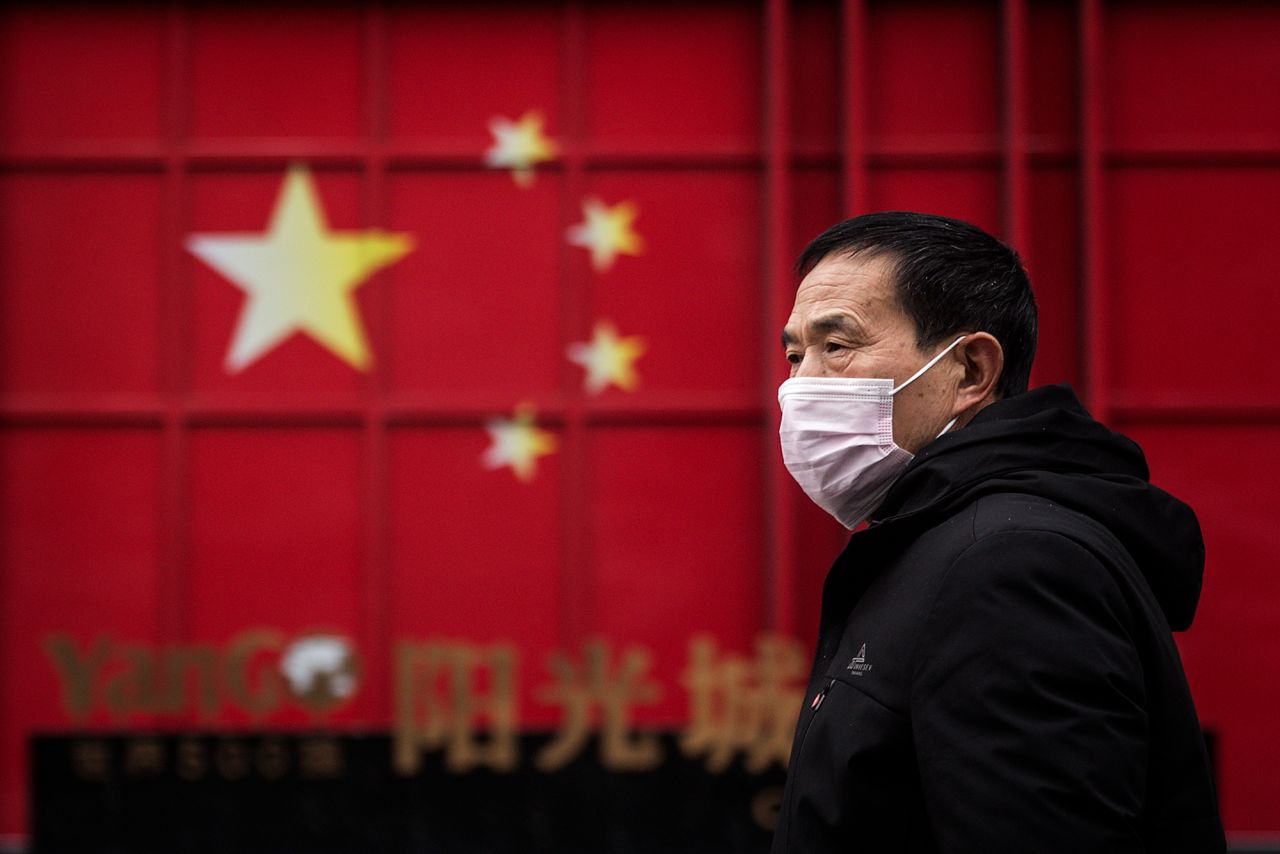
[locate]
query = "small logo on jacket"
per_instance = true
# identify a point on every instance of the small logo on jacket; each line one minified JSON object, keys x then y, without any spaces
{"x":858,"y":664}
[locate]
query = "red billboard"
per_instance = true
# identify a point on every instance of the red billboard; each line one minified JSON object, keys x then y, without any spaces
{"x":413,"y":370}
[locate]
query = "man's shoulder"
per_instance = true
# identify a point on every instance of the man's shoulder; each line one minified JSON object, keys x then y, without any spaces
{"x":1012,"y":517}
{"x":1008,"y":516}
{"x":1008,"y":539}
{"x":1020,"y":511}
{"x":1027,"y":545}
{"x":1012,"y":533}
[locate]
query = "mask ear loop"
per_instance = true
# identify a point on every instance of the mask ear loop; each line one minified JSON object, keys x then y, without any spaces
{"x":929,"y":364}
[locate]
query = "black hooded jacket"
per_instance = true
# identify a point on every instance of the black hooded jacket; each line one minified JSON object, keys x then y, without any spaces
{"x":995,"y":670}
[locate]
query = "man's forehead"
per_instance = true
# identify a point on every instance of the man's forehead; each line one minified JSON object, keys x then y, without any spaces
{"x":859,"y":285}
{"x":858,"y":277}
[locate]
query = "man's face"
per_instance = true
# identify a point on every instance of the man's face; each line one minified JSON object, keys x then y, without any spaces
{"x":846,"y":322}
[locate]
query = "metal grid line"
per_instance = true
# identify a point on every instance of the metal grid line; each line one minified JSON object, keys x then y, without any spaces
{"x":173,"y":580}
{"x":855,"y":149}
{"x":1093,"y":331}
{"x":577,"y":588}
{"x":780,"y":611}
{"x":376,"y":575}
{"x":1014,"y":115}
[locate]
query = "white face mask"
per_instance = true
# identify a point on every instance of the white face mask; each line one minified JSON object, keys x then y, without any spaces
{"x":837,"y":439}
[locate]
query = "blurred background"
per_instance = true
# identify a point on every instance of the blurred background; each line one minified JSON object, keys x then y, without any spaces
{"x":388,"y":453}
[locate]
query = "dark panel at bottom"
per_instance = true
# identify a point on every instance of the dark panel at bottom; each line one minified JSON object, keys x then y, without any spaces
{"x":265,"y":792}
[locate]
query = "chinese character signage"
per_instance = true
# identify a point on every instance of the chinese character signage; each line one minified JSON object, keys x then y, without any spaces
{"x":457,"y":760}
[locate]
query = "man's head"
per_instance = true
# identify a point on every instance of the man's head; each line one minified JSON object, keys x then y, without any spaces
{"x":884,"y":292}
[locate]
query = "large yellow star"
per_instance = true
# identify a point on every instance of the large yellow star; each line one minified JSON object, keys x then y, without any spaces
{"x":519,"y":146}
{"x":608,"y":358}
{"x":518,"y":442}
{"x":299,"y":276}
{"x":607,"y":232}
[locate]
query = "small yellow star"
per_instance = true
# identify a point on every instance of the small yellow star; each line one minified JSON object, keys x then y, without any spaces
{"x":607,"y":232}
{"x":518,"y":443}
{"x":519,"y":146}
{"x":299,"y":276}
{"x":608,"y":358}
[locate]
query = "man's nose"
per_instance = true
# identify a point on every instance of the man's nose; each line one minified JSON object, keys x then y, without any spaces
{"x":810,"y":365}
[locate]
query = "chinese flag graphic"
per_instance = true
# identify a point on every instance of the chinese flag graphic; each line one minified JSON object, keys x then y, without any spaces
{"x":388,"y":417}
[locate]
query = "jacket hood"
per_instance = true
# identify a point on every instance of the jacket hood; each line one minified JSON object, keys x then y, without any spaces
{"x":1043,"y":442}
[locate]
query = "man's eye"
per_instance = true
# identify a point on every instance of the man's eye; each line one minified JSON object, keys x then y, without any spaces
{"x":832,"y":346}
{"x":793,"y":358}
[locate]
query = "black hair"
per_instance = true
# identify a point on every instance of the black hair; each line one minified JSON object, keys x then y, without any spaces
{"x":949,"y":276}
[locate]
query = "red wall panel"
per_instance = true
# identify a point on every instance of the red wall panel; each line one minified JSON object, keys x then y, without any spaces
{"x":1129,"y":148}
{"x":1197,"y":243}
{"x":81,"y":309}
{"x":487,"y":578}
{"x":63,"y":63}
{"x":1052,"y":102}
{"x":1174,"y":75}
{"x":703,"y":93}
{"x":933,"y":71}
{"x":80,"y":562}
{"x":248,"y":81}
{"x":676,"y":544}
{"x":971,"y":193}
{"x":814,"y":54}
{"x":497,"y":60}
{"x":473,"y":309}
{"x":275,"y":534}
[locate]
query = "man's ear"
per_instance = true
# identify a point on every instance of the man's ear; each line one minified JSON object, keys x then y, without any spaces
{"x":982,"y":358}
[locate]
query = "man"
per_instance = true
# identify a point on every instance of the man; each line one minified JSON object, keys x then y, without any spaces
{"x":995,"y":670}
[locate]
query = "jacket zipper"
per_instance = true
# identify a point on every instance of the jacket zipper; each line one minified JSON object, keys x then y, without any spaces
{"x":791,"y":796}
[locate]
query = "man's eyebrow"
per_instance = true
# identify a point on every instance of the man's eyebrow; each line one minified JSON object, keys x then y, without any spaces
{"x":833,"y":322}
